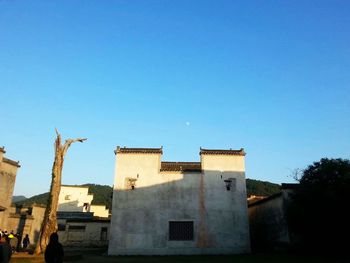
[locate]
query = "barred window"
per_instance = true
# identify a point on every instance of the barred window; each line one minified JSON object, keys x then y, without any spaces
{"x":180,"y":230}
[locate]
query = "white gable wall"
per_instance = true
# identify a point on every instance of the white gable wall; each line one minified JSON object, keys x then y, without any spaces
{"x":140,"y":217}
{"x":73,"y":198}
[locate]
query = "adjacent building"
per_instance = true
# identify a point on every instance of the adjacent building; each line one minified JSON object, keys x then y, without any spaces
{"x":79,"y":222}
{"x":269,"y":228}
{"x":173,"y":208}
{"x":26,"y":220}
{"x":74,"y":198}
{"x":8,"y":172}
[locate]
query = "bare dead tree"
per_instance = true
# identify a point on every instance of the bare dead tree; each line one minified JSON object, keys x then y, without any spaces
{"x":49,"y":224}
{"x":297,"y":174}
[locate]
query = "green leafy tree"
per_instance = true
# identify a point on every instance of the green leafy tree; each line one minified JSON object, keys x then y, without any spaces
{"x":319,"y":213}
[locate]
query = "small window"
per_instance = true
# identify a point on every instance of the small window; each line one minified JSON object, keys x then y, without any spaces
{"x":86,"y":207}
{"x":76,"y":228}
{"x":180,"y":230}
{"x":67,"y":197}
{"x":30,"y":211}
{"x":61,"y":227}
{"x":130,"y":183}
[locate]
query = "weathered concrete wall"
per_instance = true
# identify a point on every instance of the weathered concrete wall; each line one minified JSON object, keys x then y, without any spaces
{"x":2,"y":152}
{"x":38,"y":213}
{"x":8,"y":172}
{"x":84,"y":234}
{"x":268,"y":224}
{"x":226,"y":213}
{"x":140,"y":217}
{"x":27,"y":220}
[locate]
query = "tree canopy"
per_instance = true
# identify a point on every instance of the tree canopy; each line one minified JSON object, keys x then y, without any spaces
{"x":318,"y":213}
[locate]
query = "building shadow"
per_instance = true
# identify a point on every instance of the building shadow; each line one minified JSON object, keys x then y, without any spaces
{"x":189,"y":212}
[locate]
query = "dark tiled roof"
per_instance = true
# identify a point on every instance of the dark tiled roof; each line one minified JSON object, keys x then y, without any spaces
{"x":181,"y":166}
{"x":222,"y":152}
{"x":76,"y":186}
{"x":87,"y":220}
{"x":72,"y":215}
{"x":265,"y":199}
{"x":254,"y":198}
{"x":2,"y":149}
{"x":10,"y":162}
{"x":138,"y":150}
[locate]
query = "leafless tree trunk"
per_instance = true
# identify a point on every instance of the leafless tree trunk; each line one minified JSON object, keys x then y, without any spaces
{"x":49,"y":224}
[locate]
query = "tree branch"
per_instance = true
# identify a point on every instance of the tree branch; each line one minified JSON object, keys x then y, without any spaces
{"x":68,"y":143}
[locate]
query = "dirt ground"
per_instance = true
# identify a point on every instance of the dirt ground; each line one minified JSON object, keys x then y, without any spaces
{"x":86,"y":257}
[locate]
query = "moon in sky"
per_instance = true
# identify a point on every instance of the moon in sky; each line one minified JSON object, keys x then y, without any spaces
{"x":187,"y":123}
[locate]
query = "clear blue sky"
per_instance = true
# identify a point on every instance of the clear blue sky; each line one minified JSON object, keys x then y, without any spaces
{"x":272,"y":77}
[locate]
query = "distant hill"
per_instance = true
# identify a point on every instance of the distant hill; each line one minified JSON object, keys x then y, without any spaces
{"x":103,"y":193}
{"x":40,"y":199}
{"x":256,"y":187}
{"x":102,"y":196}
{"x":17,"y":198}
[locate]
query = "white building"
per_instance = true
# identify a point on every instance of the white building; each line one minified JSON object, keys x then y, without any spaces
{"x":74,"y":198}
{"x":170,"y":208}
{"x":80,"y":223}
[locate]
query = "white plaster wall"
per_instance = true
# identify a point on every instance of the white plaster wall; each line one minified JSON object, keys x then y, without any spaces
{"x":78,"y":196}
{"x":99,"y":210}
{"x":140,"y":217}
{"x":226,"y":212}
{"x":143,"y":167}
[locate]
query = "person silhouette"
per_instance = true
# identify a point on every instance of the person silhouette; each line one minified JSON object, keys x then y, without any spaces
{"x":54,"y":250}
{"x":5,"y":250}
{"x":26,"y":241}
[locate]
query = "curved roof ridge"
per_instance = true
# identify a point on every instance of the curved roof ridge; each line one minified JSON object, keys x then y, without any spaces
{"x":138,"y":150}
{"x":222,"y":152}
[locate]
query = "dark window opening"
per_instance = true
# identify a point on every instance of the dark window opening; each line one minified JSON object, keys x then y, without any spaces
{"x":77,"y":228}
{"x":61,"y":227}
{"x":180,"y":230}
{"x":86,"y":207}
{"x":103,"y":235}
